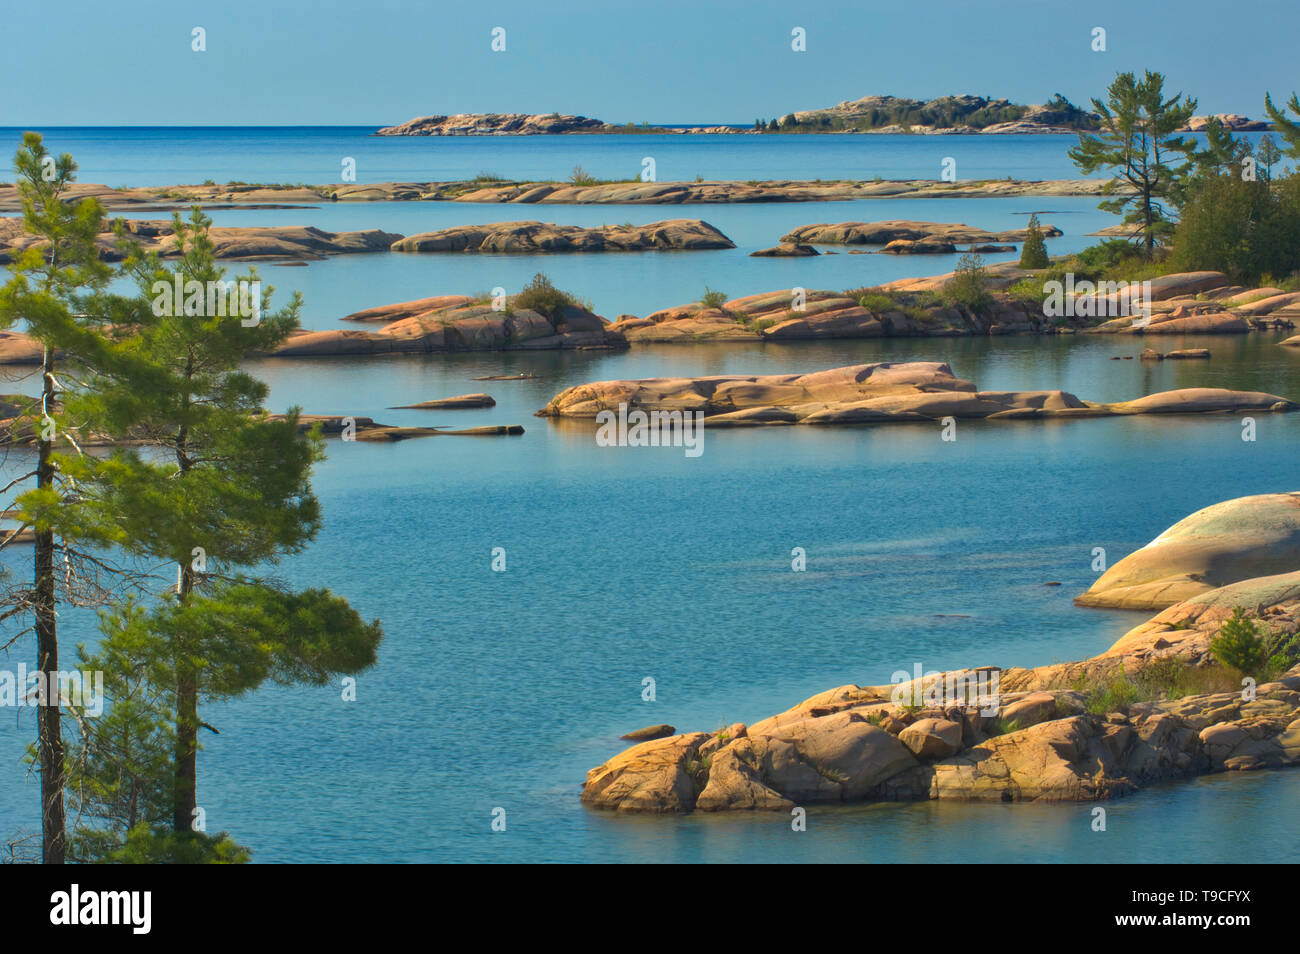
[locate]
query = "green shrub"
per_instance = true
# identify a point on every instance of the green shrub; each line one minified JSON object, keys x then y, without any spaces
{"x":969,"y":284}
{"x":1172,"y":677}
{"x":541,"y":296}
{"x":1108,"y":255}
{"x":1239,"y":644}
{"x":877,"y":301}
{"x":713,"y":299}
{"x":1002,"y":726}
{"x":1254,"y":649}
{"x":580,"y":177}
{"x":1116,"y":693}
{"x":1029,"y":291}
{"x":1033,"y":254}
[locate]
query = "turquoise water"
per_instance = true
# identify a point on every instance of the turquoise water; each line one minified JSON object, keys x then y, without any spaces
{"x":314,"y":154}
{"x":503,"y":689}
{"x":637,"y":282}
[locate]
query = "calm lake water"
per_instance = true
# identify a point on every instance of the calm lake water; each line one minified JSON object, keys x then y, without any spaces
{"x":501,"y":689}
{"x":314,"y":154}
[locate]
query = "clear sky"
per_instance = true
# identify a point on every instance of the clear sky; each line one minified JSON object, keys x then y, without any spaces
{"x":98,"y":62}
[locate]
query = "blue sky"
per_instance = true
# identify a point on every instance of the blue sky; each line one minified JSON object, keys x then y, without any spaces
{"x":382,"y":61}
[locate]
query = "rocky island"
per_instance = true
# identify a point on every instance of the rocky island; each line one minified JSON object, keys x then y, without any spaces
{"x":1180,"y":303}
{"x":280,"y":242}
{"x":879,"y":393}
{"x":942,"y":115}
{"x":515,"y":237}
{"x":490,"y":189}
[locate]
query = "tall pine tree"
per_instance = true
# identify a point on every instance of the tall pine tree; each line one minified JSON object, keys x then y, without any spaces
{"x":47,"y":289}
{"x":1150,"y":164}
{"x":215,"y":486}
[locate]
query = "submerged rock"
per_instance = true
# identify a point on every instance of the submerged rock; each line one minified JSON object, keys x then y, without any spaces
{"x":660,"y":731}
{"x":927,"y":246}
{"x":785,"y":250}
{"x":451,"y":403}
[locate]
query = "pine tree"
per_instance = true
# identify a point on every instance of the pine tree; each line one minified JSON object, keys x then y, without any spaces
{"x":1137,"y":141}
{"x":1222,"y":154}
{"x":1287,"y":128}
{"x":46,"y":290}
{"x":1239,"y":645}
{"x":1033,"y":254}
{"x":221,"y":488}
{"x":1268,"y":155}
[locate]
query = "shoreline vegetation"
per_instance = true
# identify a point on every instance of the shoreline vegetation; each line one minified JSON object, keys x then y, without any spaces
{"x":1209,"y":684}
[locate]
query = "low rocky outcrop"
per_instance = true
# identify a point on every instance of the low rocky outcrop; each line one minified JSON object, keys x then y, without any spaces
{"x":441,"y":324}
{"x":283,"y":196}
{"x":516,"y":237}
{"x":1233,"y":122}
{"x":369,"y":430}
{"x":459,"y":402}
{"x":494,"y":124}
{"x":660,"y":731}
{"x":883,"y":392}
{"x":927,"y":246}
{"x":899,"y":230}
{"x":294,"y":242}
{"x":20,"y":431}
{"x":1221,"y":544}
{"x":457,"y":325}
{"x":785,"y":250}
{"x":1051,"y":733}
{"x":770,"y":316}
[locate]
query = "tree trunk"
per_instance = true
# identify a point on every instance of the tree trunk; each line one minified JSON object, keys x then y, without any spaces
{"x":187,"y":724}
{"x":1149,"y":219}
{"x":49,"y":731}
